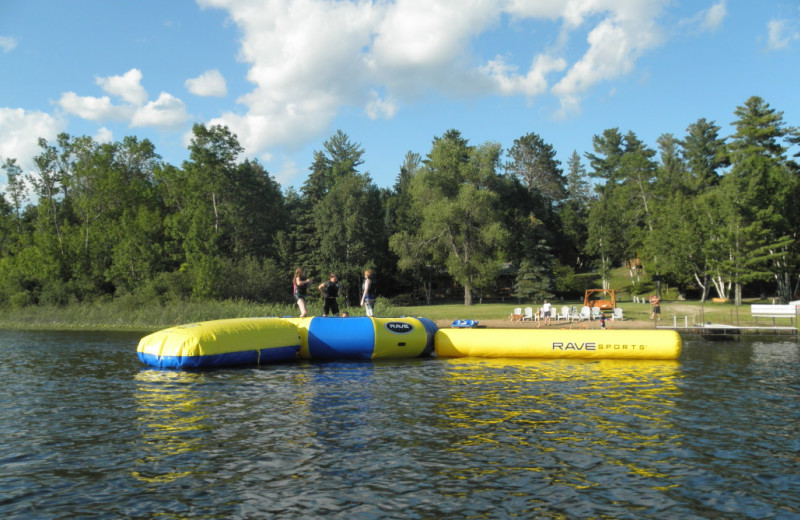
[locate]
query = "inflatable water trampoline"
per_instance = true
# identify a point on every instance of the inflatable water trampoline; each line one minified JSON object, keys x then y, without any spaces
{"x":241,"y":341}
{"x":256,"y":341}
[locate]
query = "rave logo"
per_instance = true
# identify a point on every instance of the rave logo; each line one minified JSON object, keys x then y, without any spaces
{"x":399,"y":327}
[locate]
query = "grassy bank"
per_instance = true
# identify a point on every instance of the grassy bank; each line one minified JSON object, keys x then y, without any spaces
{"x":130,"y":314}
{"x":125,"y":314}
{"x":119,"y":316}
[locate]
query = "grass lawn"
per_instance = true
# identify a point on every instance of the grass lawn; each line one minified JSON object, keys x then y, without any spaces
{"x":696,"y":313}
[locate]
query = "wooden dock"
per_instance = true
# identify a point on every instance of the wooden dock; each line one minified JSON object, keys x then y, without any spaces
{"x":724,"y":331}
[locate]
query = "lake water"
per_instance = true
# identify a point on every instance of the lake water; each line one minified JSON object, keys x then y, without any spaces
{"x":89,"y":432}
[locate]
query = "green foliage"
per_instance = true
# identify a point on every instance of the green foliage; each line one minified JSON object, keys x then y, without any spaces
{"x":532,"y":282}
{"x":456,"y":205}
{"x":165,"y":287}
{"x":251,"y":280}
{"x":350,"y":228}
{"x":534,"y":162}
{"x":112,"y":222}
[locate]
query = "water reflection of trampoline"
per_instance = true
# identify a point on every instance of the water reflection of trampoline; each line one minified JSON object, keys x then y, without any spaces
{"x":587,"y":420}
{"x":172,"y":420}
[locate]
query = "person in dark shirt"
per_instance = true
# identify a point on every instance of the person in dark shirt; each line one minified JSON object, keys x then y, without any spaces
{"x":330,"y":291}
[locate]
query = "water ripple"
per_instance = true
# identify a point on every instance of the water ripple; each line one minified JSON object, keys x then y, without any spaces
{"x":89,"y":433}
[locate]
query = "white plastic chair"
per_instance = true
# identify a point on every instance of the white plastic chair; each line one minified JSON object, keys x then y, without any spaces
{"x":564,"y":314}
{"x":595,"y":313}
{"x":586,"y":313}
{"x":528,"y":314}
{"x":617,"y":314}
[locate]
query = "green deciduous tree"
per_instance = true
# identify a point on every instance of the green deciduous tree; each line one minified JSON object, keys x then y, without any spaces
{"x":15,"y":191}
{"x":350,"y":229}
{"x":622,"y":218}
{"x":220,"y":207}
{"x":339,"y":158}
{"x":455,"y":198}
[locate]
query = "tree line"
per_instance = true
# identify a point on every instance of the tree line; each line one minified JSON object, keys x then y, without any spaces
{"x":707,"y":213}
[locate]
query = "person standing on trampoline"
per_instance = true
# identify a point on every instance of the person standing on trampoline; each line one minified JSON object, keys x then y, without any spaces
{"x":368,"y":295}
{"x":300,"y":288}
{"x":330,"y":291}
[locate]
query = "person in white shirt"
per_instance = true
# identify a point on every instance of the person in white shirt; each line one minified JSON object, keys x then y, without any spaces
{"x":547,"y":309}
{"x":368,"y":296}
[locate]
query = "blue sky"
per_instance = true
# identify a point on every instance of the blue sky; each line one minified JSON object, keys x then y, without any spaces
{"x":284,"y":75}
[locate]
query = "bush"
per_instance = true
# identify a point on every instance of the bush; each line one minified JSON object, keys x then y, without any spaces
{"x":20,"y":299}
{"x":247,"y":279}
{"x":405,"y":299}
{"x":56,"y":293}
{"x":165,"y":287}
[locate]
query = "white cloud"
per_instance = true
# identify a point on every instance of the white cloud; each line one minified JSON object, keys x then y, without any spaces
{"x":707,"y":20}
{"x":531,"y":84}
{"x":8,"y":43}
{"x":94,"y":108}
{"x":167,"y":112}
{"x":781,"y":34}
{"x":104,"y":135}
{"x":127,"y":87}
{"x":307,"y":60}
{"x":614,"y":46}
{"x":379,"y":107}
{"x":714,"y":15}
{"x":209,"y":83}
{"x":20,"y":131}
{"x":310,"y":58}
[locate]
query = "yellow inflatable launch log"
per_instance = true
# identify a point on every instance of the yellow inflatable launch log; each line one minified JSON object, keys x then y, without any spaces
{"x":239,"y":341}
{"x":561,"y":343}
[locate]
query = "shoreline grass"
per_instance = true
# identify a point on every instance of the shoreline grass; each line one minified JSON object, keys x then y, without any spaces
{"x":127,"y":315}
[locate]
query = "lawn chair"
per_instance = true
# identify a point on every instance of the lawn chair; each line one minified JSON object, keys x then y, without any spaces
{"x":586,"y":313}
{"x":617,"y":315}
{"x":595,"y":313}
{"x":528,"y":314}
{"x":564,"y":314}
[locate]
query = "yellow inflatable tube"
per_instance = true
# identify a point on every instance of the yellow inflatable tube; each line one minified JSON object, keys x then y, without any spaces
{"x":561,"y":343}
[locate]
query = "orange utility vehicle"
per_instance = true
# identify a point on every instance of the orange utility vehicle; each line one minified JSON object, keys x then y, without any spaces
{"x":592,"y":298}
